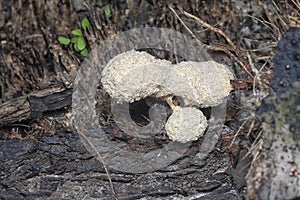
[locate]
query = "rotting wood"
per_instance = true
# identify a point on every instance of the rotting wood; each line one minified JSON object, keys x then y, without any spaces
{"x":14,"y":111}
{"x":34,"y":105}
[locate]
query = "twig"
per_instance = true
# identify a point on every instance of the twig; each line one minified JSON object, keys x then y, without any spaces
{"x":251,"y":126}
{"x":103,"y":163}
{"x":267,"y":24}
{"x":296,"y":4}
{"x":214,"y":48}
{"x":272,"y":23}
{"x":233,"y":46}
{"x":294,"y":21}
{"x":216,"y":30}
{"x":256,"y":78}
{"x":255,"y":144}
{"x":185,"y":26}
{"x":237,"y":133}
{"x":251,"y":64}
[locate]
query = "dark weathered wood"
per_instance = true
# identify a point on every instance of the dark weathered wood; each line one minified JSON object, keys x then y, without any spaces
{"x":34,"y":105}
{"x":51,"y":102}
{"x":14,"y":111}
{"x":57,"y":166}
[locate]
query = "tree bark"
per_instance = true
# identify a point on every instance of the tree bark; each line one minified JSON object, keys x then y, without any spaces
{"x":274,"y":173}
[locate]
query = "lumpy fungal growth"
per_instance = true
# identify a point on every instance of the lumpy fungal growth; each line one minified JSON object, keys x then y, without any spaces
{"x":185,"y":124}
{"x":134,"y":75}
{"x":202,"y":83}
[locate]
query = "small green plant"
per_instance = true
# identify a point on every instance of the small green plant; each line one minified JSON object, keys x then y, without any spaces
{"x":107,"y":11}
{"x":78,"y":41}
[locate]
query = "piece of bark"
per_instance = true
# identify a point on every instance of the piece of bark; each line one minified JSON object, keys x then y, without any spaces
{"x":50,"y":102}
{"x":274,"y":173}
{"x":34,"y":105}
{"x":15,"y":110}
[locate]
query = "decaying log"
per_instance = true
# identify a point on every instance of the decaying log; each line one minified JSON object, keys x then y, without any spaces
{"x":34,"y":105}
{"x":59,"y":167}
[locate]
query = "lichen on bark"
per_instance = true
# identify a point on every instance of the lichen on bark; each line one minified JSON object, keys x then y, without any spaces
{"x":275,"y":173}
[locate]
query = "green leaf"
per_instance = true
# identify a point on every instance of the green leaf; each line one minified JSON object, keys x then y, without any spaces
{"x":76,"y":48}
{"x":86,"y":24}
{"x":84,"y":52}
{"x":81,"y":43}
{"x":77,"y":32}
{"x":63,"y":40}
{"x":74,"y":40}
{"x":107,"y":11}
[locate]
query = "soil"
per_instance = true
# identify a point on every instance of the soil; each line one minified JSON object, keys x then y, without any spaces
{"x":241,"y":34}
